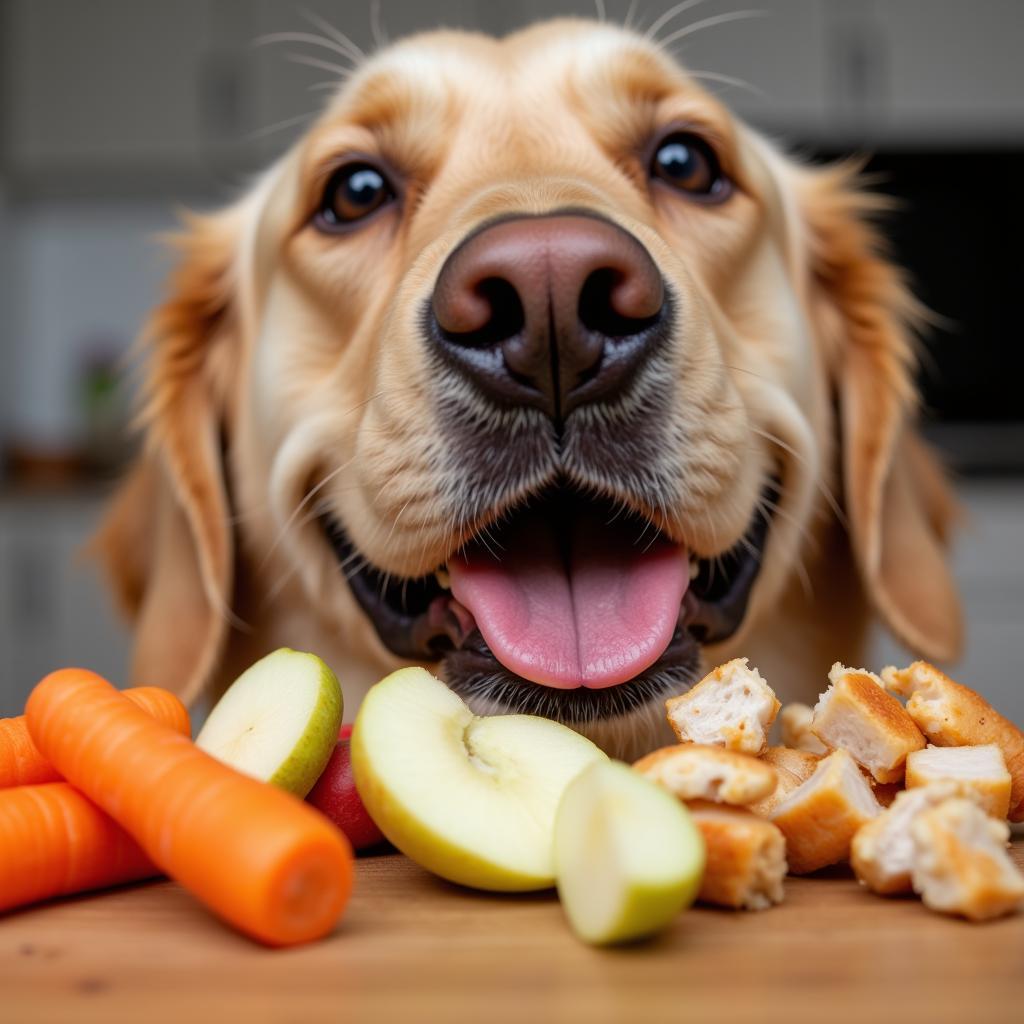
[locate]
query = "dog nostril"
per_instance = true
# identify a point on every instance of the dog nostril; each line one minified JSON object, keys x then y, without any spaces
{"x":507,"y":316}
{"x":616,"y":304}
{"x":489,"y":313}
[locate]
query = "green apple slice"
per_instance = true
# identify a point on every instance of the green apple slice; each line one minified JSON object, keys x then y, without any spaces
{"x":278,"y":721}
{"x":471,"y":799}
{"x":628,"y":857}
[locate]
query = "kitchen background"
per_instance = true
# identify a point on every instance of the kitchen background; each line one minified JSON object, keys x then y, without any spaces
{"x":114,"y":114}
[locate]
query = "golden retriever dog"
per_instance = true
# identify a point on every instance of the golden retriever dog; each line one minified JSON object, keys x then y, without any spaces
{"x":532,"y":364}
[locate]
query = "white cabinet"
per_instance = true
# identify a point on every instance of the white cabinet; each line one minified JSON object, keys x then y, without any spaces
{"x":55,"y":610}
{"x":941,"y":73}
{"x":776,"y":50}
{"x":131,"y":97}
{"x":105,"y":81}
{"x":849,"y":73}
{"x":144,"y":95}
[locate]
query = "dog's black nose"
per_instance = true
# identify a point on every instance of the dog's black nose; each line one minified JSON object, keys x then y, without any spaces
{"x":550,"y":311}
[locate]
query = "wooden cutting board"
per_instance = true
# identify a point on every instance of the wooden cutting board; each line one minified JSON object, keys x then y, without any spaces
{"x":416,"y":949}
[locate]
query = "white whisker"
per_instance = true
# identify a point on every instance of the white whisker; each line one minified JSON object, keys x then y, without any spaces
{"x":323,"y":65}
{"x":767,"y":506}
{"x":354,"y":51}
{"x":354,"y":563}
{"x":303,"y":37}
{"x":744,"y":369}
{"x":700,"y":26}
{"x":665,"y":18}
{"x":485,"y":538}
{"x":398,"y":515}
{"x":296,"y":512}
{"x":288,"y":122}
{"x":825,"y":491}
{"x":377,"y":29}
{"x":714,"y":76}
{"x":805,"y":580}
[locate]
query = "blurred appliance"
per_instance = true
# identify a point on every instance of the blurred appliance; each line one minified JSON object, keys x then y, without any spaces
{"x":959,"y":229}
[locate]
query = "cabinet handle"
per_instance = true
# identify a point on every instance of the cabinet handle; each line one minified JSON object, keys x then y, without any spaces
{"x":860,"y":67}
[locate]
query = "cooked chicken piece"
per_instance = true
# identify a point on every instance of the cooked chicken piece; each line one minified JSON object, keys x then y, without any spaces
{"x":731,"y":707}
{"x":820,"y":818}
{"x":793,"y":767}
{"x":696,"y":771}
{"x":981,"y":769}
{"x":960,"y":862}
{"x":951,"y":715}
{"x":795,"y":729}
{"x":882,"y":852}
{"x":857,"y":715}
{"x":746,"y":857}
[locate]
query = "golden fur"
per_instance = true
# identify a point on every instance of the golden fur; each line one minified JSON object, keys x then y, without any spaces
{"x":286,"y":371}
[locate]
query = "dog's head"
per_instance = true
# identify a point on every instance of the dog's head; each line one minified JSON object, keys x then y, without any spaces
{"x":531,"y":360}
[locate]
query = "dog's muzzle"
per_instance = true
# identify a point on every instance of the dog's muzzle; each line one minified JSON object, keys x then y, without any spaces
{"x":552,"y":334}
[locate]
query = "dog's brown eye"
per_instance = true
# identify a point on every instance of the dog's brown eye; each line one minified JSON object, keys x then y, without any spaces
{"x":354,"y":192}
{"x":686,"y":162}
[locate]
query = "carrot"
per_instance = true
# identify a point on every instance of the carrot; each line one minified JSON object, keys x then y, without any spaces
{"x":54,"y":842}
{"x":263,"y":860}
{"x":21,"y":764}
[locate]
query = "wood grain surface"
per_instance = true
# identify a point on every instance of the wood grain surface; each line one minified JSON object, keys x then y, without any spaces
{"x":414,"y":948}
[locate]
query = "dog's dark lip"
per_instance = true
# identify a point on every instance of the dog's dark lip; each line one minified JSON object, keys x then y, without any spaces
{"x":405,"y":612}
{"x":418,"y":620}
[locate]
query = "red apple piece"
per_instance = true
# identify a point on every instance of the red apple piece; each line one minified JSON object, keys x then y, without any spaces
{"x":334,"y":794}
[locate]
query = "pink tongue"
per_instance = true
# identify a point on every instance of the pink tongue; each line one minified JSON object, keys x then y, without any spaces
{"x":599,"y":620}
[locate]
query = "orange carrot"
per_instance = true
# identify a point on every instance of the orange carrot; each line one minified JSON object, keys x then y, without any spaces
{"x":54,"y":842}
{"x":263,"y":860}
{"x":21,"y":764}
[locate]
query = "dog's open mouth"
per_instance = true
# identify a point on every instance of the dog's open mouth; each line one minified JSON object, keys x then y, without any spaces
{"x":568,"y":607}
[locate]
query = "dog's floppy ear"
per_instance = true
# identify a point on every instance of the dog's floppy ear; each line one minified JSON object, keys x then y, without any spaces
{"x":899,"y":506}
{"x":166,"y":541}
